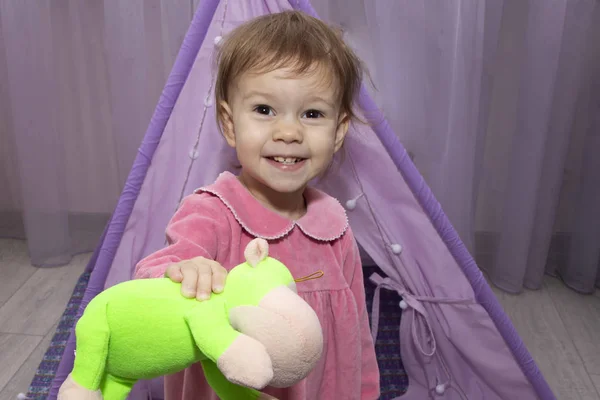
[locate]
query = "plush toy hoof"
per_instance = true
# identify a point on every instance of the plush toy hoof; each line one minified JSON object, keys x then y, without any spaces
{"x":246,"y":363}
{"x":70,"y":390}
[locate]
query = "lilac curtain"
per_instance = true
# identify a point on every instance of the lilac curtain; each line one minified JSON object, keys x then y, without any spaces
{"x":80,"y":80}
{"x":498,"y":101}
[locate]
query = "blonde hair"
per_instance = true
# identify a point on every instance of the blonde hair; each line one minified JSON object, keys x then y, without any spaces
{"x":289,"y":39}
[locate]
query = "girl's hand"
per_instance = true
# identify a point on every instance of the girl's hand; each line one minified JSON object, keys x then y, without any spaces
{"x":198,"y":277}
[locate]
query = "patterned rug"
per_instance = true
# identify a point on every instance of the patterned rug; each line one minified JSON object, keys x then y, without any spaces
{"x":40,"y":386}
{"x":393,"y":381}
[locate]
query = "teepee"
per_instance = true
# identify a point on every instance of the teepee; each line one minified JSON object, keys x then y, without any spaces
{"x":456,"y":342}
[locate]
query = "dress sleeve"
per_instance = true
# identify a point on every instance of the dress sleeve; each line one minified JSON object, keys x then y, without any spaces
{"x":195,"y":230}
{"x":370,"y":386}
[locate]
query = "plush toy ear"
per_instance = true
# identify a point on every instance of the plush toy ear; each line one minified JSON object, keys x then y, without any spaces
{"x":256,"y":251}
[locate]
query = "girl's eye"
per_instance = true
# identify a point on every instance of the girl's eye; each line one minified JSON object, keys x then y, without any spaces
{"x":263,"y":109}
{"x":313,"y":114}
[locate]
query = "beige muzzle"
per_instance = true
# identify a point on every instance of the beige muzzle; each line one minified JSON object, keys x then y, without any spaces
{"x":289,"y":329}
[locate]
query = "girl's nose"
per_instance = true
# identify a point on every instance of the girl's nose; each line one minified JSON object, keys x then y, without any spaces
{"x":289,"y":132}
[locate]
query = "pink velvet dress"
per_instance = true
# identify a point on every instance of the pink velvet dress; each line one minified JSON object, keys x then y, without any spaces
{"x":219,"y":220}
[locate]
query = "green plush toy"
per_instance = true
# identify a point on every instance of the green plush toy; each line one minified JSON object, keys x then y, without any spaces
{"x":257,"y":332}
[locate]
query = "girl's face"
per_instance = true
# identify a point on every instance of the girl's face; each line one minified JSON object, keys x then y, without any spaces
{"x":285,"y":128}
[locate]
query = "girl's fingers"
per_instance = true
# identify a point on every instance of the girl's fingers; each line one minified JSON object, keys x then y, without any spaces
{"x":173,"y":272}
{"x":219,"y":274}
{"x":189,"y":281}
{"x":204,"y":282}
{"x":199,"y":277}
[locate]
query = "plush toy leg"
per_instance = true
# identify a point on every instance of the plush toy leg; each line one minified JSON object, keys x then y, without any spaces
{"x":242,"y":359}
{"x":92,"y":335}
{"x":114,"y":388}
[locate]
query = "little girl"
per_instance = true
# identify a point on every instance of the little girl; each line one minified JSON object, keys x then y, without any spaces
{"x":285,"y":89}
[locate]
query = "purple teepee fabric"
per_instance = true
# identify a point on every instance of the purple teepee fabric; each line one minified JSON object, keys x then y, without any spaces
{"x":456,"y":341}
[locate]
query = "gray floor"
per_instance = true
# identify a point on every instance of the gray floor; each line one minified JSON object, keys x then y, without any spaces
{"x":560,"y":327}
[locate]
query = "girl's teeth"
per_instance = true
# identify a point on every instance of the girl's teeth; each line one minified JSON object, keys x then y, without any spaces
{"x":284,"y":160}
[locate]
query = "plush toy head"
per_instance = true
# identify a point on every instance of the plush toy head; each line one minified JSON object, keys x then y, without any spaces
{"x":257,"y":332}
{"x":280,"y":320}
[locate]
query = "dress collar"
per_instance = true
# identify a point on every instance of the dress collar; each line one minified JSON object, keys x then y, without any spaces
{"x":325,"y":218}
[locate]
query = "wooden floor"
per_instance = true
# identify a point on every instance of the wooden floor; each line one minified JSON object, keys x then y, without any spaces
{"x":560,"y":327}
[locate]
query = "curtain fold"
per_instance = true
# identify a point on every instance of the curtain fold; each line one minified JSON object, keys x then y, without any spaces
{"x":498,"y":101}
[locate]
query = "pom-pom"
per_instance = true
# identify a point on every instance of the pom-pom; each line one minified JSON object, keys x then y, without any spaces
{"x":440,"y":389}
